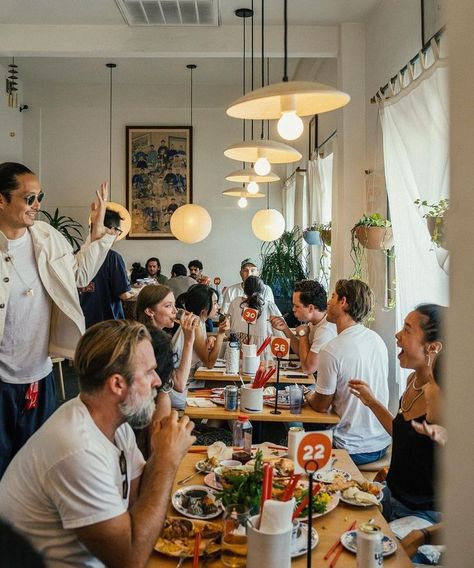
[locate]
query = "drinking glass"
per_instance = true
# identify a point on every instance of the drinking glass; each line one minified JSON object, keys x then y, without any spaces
{"x":234,"y":536}
{"x":296,"y":399}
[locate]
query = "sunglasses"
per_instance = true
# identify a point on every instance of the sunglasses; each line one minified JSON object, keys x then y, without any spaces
{"x":31,"y":198}
{"x":123,"y":471}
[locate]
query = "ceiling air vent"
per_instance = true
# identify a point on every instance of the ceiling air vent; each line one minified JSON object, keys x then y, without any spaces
{"x":169,"y":12}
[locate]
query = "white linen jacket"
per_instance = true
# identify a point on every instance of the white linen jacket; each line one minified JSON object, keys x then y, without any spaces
{"x":61,"y":273}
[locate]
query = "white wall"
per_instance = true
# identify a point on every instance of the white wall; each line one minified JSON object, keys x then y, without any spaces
{"x":11,"y":131}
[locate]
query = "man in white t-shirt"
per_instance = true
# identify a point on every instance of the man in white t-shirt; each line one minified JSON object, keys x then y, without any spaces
{"x":354,"y":351}
{"x":79,"y":490}
{"x":40,"y":313}
{"x":309,"y":305}
{"x":247,"y":268}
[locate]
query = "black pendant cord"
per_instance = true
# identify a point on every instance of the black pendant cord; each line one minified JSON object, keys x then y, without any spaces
{"x":285,"y":40}
{"x":263,"y":60}
{"x":191,"y":97}
{"x":252,"y":65}
{"x":111,"y":66}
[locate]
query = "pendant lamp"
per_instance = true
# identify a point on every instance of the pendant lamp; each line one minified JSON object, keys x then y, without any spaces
{"x":191,"y":223}
{"x":288,"y":100}
{"x":268,"y":224}
{"x":238,"y":192}
{"x":126,"y":220}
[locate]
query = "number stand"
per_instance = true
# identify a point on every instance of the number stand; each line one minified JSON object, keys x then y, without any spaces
{"x":248,"y":333}
{"x":275,"y":410}
{"x":310,"y":473}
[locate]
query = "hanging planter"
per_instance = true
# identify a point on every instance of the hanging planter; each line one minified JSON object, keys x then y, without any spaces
{"x":435,"y":220}
{"x":318,"y":234}
{"x":373,"y":232}
{"x":312,"y":237}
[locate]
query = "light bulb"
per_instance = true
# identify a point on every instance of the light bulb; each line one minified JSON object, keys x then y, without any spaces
{"x":252,"y":187}
{"x":262,"y":167}
{"x":290,"y":126}
{"x":242,"y":202}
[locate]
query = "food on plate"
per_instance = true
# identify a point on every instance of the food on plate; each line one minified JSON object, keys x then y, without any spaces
{"x":320,"y":502}
{"x":208,"y":464}
{"x":196,"y":502}
{"x":365,"y":486}
{"x":362,"y":497}
{"x":282,"y":467}
{"x":243,"y":485}
{"x":177,"y":537}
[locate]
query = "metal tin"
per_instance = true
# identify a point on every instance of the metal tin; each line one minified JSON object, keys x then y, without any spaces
{"x":231,"y":395}
{"x":369,"y":546}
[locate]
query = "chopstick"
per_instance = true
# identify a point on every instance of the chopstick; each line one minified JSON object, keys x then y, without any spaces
{"x":197,"y":543}
{"x":264,"y":345}
{"x":291,"y":486}
{"x":337,"y":547}
{"x":267,"y":486}
{"x":305,"y":501}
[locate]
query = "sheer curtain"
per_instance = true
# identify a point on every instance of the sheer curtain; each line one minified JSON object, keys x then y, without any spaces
{"x":320,"y":176}
{"x":415,"y":143}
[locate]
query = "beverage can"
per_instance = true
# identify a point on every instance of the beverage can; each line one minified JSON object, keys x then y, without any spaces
{"x":231,"y":393}
{"x":294,"y":435}
{"x":369,"y":546}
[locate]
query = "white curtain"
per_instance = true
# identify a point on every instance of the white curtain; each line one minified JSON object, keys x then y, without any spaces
{"x":415,"y":127}
{"x":288,"y":202}
{"x":320,"y":182}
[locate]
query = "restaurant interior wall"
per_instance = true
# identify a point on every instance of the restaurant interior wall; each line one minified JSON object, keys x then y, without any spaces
{"x":11,"y":131}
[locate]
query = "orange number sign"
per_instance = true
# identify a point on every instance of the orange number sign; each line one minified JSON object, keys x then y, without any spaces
{"x":250,"y":315}
{"x":280,"y":347}
{"x":314,"y":451}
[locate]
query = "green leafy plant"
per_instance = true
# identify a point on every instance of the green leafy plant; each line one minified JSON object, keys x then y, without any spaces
{"x":374,"y":220}
{"x":67,"y":226}
{"x":282,"y":264}
{"x":435,"y":218}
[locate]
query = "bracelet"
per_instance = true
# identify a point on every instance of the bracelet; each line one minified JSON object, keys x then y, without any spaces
{"x":426,"y":536}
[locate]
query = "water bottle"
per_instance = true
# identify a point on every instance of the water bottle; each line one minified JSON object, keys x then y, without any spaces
{"x":242,"y":440}
{"x":232,"y":355}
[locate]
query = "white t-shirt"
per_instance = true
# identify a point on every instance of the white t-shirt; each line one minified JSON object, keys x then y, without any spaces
{"x":320,"y":333}
{"x":237,"y":290}
{"x":67,"y":476}
{"x":359,"y":353}
{"x":24,"y":347}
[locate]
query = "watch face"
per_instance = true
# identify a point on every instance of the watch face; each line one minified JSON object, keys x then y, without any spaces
{"x":301,"y":332}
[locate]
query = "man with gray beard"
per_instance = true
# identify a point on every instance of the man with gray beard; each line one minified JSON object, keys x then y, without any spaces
{"x":80,"y":490}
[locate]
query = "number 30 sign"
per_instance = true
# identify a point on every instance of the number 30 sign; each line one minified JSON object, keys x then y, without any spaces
{"x":314,"y":451}
{"x":250,"y":315}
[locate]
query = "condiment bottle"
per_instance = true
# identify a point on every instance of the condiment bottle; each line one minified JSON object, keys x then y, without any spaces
{"x":242,"y":439}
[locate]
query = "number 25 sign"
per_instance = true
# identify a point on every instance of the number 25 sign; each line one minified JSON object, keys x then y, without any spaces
{"x":280,"y":347}
{"x":314,"y":451}
{"x":250,"y":315}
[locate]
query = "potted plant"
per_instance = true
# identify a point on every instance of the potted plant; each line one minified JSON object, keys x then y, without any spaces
{"x":373,"y":231}
{"x":435,"y":219}
{"x":67,"y":226}
{"x":282,"y":266}
{"x":318,"y":234}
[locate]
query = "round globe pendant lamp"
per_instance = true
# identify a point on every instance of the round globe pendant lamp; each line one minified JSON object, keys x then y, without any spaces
{"x":268,"y":224}
{"x":191,"y":223}
{"x":288,"y":100}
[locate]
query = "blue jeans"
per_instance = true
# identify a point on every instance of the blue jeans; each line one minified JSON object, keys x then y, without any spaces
{"x":368,"y":457}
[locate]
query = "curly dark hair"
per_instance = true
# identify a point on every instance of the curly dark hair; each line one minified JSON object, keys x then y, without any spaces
{"x":311,"y":292}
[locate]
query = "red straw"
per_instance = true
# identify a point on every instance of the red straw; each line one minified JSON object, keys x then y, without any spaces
{"x":197,"y":543}
{"x":267,"y":486}
{"x":268,"y":376}
{"x":256,"y":380}
{"x":338,"y":543}
{"x":291,"y":486}
{"x":304,"y":502}
{"x":264,"y":345}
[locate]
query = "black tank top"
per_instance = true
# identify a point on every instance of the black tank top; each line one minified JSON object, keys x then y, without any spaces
{"x":411,"y":476}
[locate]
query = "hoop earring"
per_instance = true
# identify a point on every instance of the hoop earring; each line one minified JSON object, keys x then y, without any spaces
{"x":428,"y":356}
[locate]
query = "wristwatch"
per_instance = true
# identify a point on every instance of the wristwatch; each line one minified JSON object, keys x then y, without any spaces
{"x":302,"y":332}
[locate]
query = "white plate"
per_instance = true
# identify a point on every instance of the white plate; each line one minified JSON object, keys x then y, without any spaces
{"x":203,"y":466}
{"x":357,"y":504}
{"x":329,"y":475}
{"x":349,"y":541}
{"x":333,"y":503}
{"x":210,"y":481}
{"x":299,"y":545}
{"x":219,"y":401}
{"x":176,"y":502}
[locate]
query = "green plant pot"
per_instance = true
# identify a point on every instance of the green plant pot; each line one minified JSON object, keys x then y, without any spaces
{"x":326,"y":236}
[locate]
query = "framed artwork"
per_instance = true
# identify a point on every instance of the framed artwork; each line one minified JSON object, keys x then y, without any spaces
{"x":432,"y":18}
{"x":313,"y":136}
{"x":159,"y":177}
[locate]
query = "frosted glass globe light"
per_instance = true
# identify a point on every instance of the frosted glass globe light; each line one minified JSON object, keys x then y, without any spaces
{"x":262,"y":166}
{"x":252,"y":187}
{"x":190,"y":223}
{"x":290,"y":126}
{"x":268,"y":224}
{"x":242,"y":202}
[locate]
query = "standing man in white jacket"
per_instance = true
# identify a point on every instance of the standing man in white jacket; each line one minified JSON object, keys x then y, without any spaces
{"x":40,"y":314}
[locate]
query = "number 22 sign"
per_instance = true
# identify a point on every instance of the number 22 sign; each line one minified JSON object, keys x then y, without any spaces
{"x":314,"y":451}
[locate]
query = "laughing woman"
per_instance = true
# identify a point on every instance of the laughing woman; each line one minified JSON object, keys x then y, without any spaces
{"x":410,"y":480}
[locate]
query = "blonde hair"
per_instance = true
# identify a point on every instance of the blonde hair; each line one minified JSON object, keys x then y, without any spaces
{"x":106,"y":348}
{"x":148,"y":297}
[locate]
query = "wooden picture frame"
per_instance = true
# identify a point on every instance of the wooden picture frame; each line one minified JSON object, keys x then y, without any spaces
{"x":159,"y":177}
{"x":313,"y":137}
{"x":432,"y":18}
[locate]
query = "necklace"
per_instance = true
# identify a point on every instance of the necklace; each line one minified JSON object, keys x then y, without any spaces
{"x":413,"y":400}
{"x":29,"y":289}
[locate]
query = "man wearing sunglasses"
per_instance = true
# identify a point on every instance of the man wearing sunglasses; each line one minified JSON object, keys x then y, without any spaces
{"x":80,"y":490}
{"x":40,"y":314}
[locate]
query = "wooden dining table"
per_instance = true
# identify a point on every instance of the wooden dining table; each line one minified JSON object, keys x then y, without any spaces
{"x":329,"y":527}
{"x":220,"y":376}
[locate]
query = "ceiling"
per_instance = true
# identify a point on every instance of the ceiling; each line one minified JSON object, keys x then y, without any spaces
{"x":168,"y":70}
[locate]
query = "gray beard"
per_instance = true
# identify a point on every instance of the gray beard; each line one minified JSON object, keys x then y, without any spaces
{"x":136,"y":412}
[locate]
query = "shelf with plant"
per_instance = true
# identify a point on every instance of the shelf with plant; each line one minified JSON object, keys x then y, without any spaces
{"x":67,"y":226}
{"x":434,"y":216}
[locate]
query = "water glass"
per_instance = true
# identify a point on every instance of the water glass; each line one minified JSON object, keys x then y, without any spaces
{"x":234,"y":536}
{"x":296,"y":399}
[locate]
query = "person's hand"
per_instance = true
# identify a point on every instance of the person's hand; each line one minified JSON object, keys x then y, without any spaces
{"x":434,"y":431}
{"x":224,"y":325}
{"x":172,"y":437}
{"x":278,"y":323}
{"x":189,"y":322}
{"x":362,"y":391}
{"x":203,"y":279}
{"x":97,"y":213}
{"x":210,"y":342}
{"x":412,"y":542}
